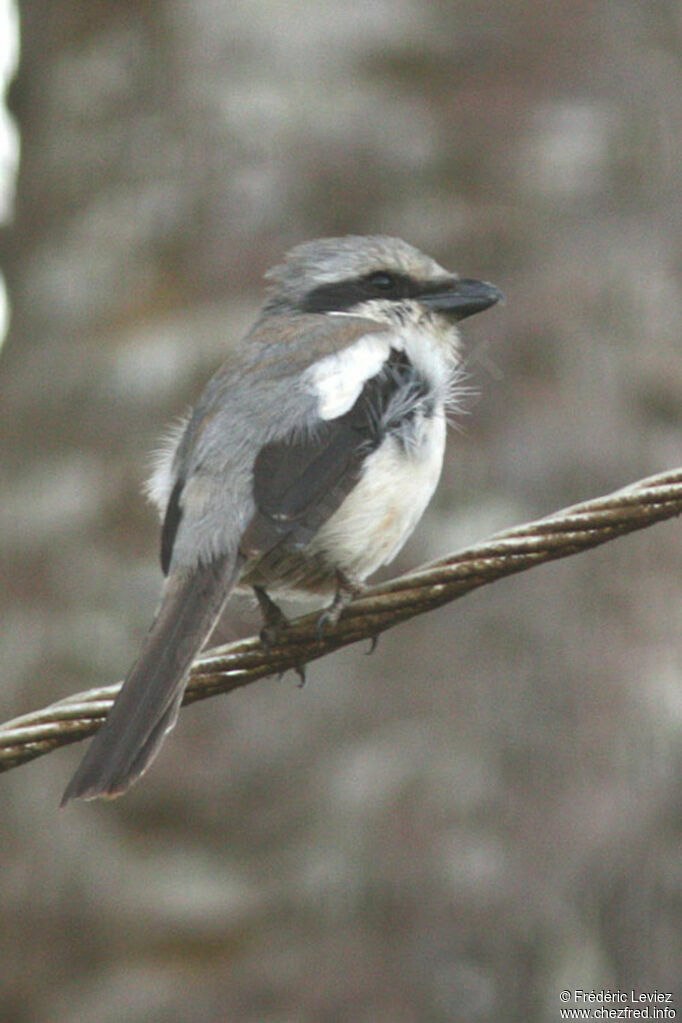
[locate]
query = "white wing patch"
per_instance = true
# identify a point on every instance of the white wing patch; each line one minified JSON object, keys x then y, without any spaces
{"x":338,"y":379}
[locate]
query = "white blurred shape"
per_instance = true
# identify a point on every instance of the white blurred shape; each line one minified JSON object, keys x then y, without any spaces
{"x":9,"y":136}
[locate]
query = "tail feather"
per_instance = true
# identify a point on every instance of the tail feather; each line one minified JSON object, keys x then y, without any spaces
{"x":147,"y":706}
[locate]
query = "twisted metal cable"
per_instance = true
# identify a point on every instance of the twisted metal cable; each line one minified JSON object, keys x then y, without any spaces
{"x":225,"y":668}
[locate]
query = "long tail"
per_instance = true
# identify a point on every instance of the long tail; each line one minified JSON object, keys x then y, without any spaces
{"x":148,"y":703}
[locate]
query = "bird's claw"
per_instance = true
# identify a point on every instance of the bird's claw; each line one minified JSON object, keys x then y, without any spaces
{"x":300,"y":671}
{"x":346,"y":589}
{"x":275,"y":622}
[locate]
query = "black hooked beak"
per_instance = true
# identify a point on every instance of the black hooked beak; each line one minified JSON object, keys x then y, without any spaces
{"x":460,"y":297}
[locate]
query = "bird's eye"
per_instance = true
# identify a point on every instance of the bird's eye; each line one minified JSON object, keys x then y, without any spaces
{"x":382,"y":281}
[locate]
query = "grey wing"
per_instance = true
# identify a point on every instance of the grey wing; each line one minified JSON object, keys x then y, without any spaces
{"x":247,"y":419}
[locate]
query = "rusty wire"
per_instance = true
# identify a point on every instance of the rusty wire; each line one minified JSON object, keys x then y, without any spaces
{"x":225,"y":668}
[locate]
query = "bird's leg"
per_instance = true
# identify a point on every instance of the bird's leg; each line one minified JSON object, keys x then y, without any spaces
{"x":274,"y":619}
{"x":346,"y":589}
{"x":274,"y":624}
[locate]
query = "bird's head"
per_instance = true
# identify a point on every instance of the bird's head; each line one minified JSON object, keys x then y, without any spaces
{"x":376,"y":276}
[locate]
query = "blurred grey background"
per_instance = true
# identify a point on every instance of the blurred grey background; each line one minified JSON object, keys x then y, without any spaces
{"x":487,"y":810}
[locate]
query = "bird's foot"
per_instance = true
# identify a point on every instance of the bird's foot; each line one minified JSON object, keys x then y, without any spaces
{"x":346,"y":589}
{"x":275,"y":622}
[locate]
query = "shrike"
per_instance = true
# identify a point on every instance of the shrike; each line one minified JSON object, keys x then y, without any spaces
{"x":305,"y":465}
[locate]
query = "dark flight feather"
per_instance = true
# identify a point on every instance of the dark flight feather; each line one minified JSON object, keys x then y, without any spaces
{"x":171,"y":522}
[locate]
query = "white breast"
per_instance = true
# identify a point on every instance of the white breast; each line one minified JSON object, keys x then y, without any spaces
{"x":382,"y":510}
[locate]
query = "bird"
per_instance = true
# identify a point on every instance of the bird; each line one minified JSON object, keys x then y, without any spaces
{"x":304,"y":466}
